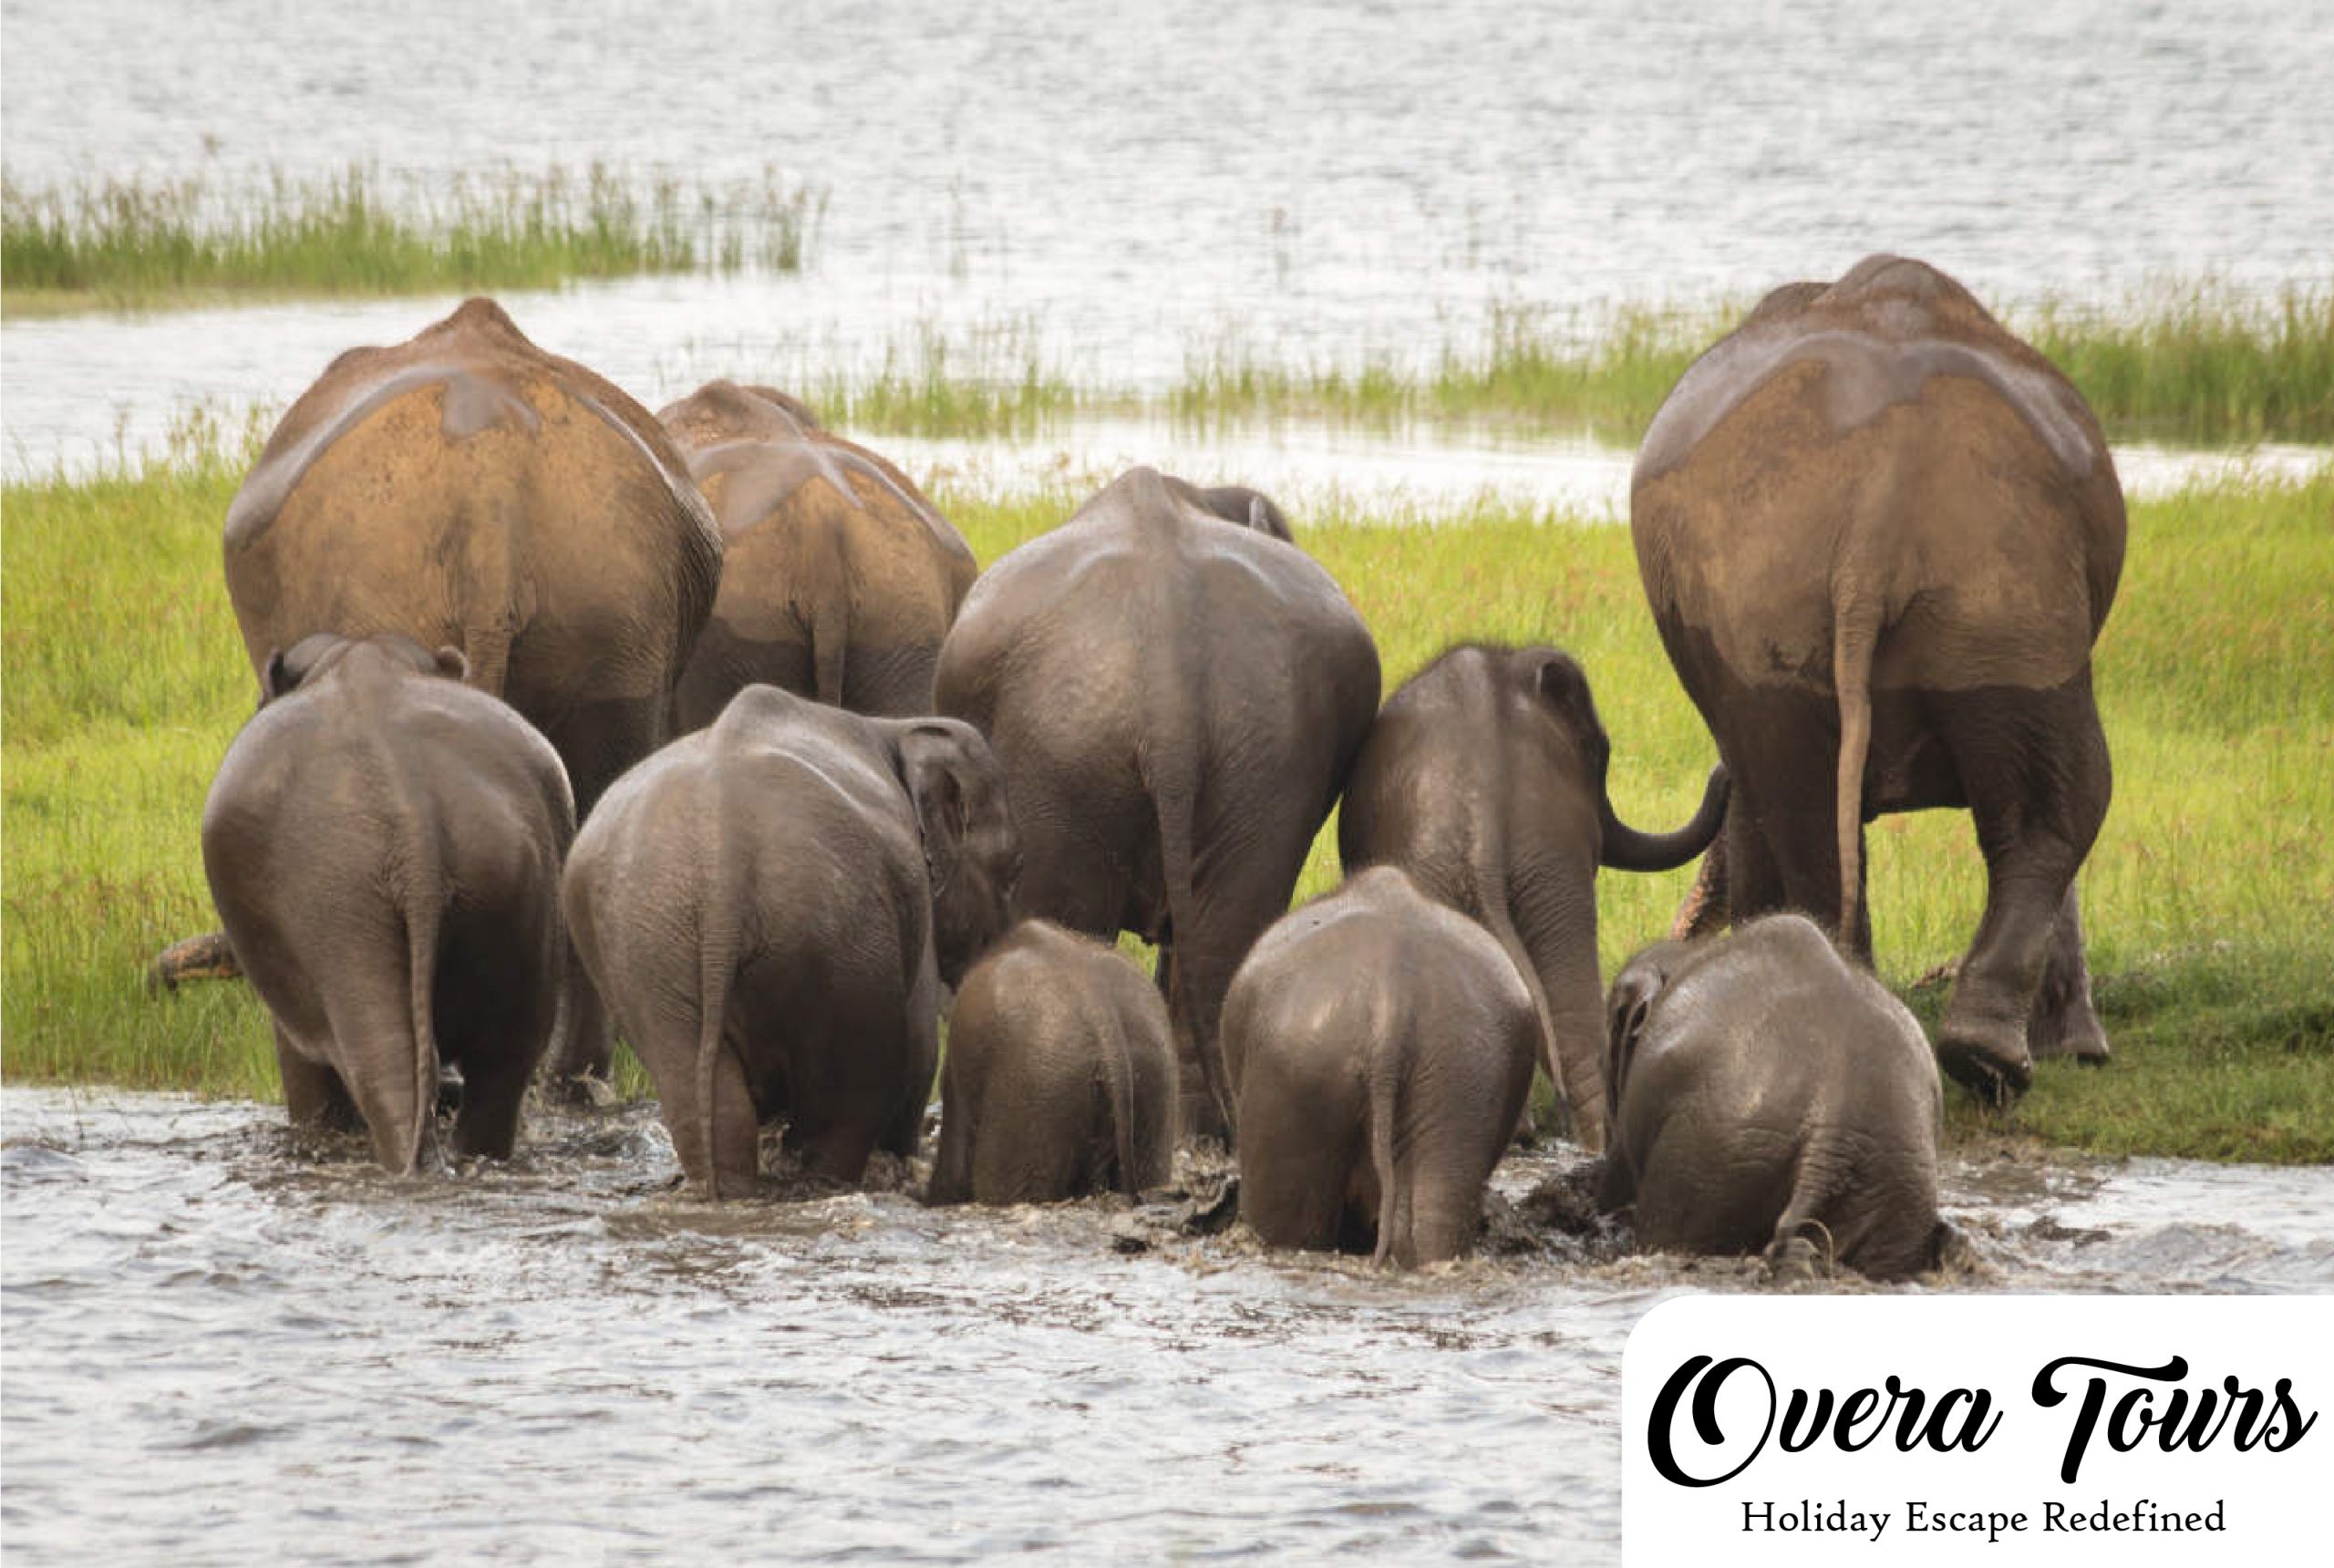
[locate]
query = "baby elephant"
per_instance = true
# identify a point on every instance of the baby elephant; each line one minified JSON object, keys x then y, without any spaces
{"x":383,"y":843}
{"x":1378,"y":1046}
{"x":771,"y":906}
{"x":1060,"y":1075}
{"x":1766,"y":1094}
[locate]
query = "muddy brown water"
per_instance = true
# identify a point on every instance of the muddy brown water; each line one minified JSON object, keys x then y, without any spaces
{"x":222,"y":1347}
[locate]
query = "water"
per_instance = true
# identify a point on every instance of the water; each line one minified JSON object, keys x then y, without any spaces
{"x":219,"y":1349}
{"x":1114,"y":191}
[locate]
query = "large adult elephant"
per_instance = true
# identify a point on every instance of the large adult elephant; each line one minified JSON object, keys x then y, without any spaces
{"x":1880,"y":535}
{"x":839,"y":578}
{"x":469,"y":491}
{"x":1484,"y":779}
{"x":1176,"y":700}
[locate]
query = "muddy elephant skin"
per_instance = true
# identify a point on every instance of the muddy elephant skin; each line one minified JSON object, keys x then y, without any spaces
{"x":1379,"y":1046}
{"x":468,"y":489}
{"x":1880,"y":535}
{"x":1483,"y":779}
{"x":1060,"y":1075}
{"x":1770,"y":1097}
{"x":383,"y":844}
{"x":771,"y":906}
{"x":839,"y":578}
{"x":1177,"y":702}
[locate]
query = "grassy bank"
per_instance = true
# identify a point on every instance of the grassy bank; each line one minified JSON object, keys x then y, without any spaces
{"x":2194,"y":364}
{"x":2208,"y":896}
{"x":152,"y":244}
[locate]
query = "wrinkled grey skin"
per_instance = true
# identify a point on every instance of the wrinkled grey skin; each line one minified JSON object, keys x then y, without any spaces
{"x":1483,"y":778}
{"x":1060,"y":1075}
{"x":1176,"y":704}
{"x":839,"y":578}
{"x":771,"y":906}
{"x":383,"y":843}
{"x":1380,"y":1045}
{"x":1880,"y":535}
{"x":1770,"y":1097}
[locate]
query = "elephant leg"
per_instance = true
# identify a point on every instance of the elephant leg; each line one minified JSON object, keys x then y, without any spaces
{"x":1703,"y":910}
{"x":372,"y":1023}
{"x":1443,"y":1212}
{"x":1782,"y":841}
{"x":837,"y":1150}
{"x":494,"y":1087}
{"x":597,"y":741}
{"x":1240,"y":894}
{"x":905,"y":1132}
{"x":314,"y":1097}
{"x":1299,"y":1167}
{"x":2034,"y":766}
{"x":2064,"y":1022}
{"x":730,"y":1167}
{"x":583,"y":1056}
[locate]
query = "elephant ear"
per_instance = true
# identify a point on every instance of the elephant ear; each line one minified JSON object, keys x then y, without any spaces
{"x":277,"y":679}
{"x":1626,"y":1009}
{"x":931,"y":762}
{"x":1563,"y":686}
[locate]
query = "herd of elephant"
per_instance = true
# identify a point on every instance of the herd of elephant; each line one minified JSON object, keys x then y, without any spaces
{"x":483,"y":590}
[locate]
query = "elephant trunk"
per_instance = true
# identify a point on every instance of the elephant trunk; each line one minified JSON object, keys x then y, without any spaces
{"x":1627,"y":849}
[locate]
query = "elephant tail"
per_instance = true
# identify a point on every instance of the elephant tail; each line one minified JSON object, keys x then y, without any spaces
{"x":424,"y":913}
{"x":1174,"y":794}
{"x":829,"y":641}
{"x":1856,"y":636}
{"x":716,"y":958}
{"x":1386,"y":1085}
{"x":1117,"y":1065}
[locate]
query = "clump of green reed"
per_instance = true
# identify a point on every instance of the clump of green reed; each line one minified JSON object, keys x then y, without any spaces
{"x":2192,"y":362}
{"x":139,"y":241}
{"x":997,"y":381}
{"x":2198,"y":362}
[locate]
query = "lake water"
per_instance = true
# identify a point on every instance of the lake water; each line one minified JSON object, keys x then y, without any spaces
{"x":1116,"y":190}
{"x":221,"y":1350}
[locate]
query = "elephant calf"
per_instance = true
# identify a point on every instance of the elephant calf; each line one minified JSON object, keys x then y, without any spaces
{"x":383,"y":844}
{"x":1060,"y":1075}
{"x":1484,"y":779}
{"x":771,"y":906}
{"x":1379,"y":1046}
{"x":1765,"y":1095}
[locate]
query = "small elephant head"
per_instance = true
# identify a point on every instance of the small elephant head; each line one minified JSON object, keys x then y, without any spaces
{"x":313,"y":655}
{"x":1563,"y":686}
{"x":971,"y":852}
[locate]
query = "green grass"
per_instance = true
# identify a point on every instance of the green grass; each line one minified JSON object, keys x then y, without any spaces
{"x":2194,"y":362}
{"x":2208,"y":897}
{"x":147,"y":244}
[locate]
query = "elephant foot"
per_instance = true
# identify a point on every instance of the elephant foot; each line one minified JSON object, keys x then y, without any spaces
{"x":2065,"y":1024}
{"x":1992,"y":1065}
{"x":1794,"y":1260}
{"x":206,"y":957}
{"x":578,"y":1091}
{"x":2081,"y":1039}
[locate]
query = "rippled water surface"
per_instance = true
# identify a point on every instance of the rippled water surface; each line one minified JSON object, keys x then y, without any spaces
{"x":219,"y":1348}
{"x":1116,"y":190}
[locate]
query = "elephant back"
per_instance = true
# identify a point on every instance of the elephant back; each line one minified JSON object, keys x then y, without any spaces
{"x":1884,"y":435}
{"x":465,"y":486}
